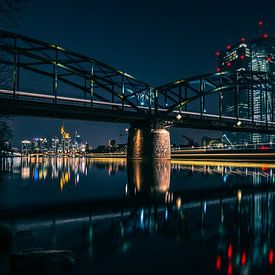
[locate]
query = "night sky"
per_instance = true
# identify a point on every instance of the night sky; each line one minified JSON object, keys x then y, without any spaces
{"x":156,"y":41}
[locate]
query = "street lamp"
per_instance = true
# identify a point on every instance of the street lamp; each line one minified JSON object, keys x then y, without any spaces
{"x":178,"y":117}
{"x":239,"y":123}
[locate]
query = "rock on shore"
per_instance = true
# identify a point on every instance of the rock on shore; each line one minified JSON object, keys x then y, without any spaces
{"x":39,"y":261}
{"x":5,"y":236}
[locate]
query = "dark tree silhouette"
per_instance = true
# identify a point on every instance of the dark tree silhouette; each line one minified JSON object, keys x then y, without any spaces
{"x":11,"y":12}
{"x":5,"y":135}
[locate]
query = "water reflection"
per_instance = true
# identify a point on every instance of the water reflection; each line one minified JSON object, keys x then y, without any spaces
{"x":238,"y":229}
{"x":140,"y":177}
{"x":64,"y":170}
{"x":146,"y":177}
{"x":223,"y":213}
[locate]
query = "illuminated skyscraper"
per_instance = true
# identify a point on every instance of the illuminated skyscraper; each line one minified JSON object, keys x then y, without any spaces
{"x":39,"y":145}
{"x":55,"y":144}
{"x":254,"y":101}
{"x":65,"y":140}
{"x":25,"y":146}
{"x":77,"y":140}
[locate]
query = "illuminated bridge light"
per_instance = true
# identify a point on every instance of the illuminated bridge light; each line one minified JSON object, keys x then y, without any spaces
{"x":218,"y":53}
{"x":228,"y":47}
{"x":269,"y":58}
{"x":242,"y":57}
{"x":239,"y":123}
{"x":178,"y":117}
{"x":218,"y":69}
{"x":265,"y":35}
{"x":260,"y":23}
{"x":243,"y":39}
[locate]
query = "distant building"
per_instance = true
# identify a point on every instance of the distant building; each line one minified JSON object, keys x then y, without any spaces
{"x":65,"y":140}
{"x":55,"y":145}
{"x":254,"y":101}
{"x":77,"y":140}
{"x":44,"y":145}
{"x":25,"y":147}
{"x":39,"y":145}
{"x":208,"y":142}
{"x":112,"y":143}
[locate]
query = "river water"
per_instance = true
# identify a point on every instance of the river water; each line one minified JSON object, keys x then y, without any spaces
{"x":171,"y":217}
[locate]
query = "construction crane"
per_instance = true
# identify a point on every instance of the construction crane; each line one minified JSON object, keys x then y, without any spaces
{"x":228,"y":140}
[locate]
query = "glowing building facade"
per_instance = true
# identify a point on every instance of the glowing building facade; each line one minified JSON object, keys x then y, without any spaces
{"x":65,"y":140}
{"x":254,"y":101}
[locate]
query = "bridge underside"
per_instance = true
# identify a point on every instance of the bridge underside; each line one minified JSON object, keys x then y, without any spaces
{"x":54,"y":110}
{"x":62,"y":111}
{"x":223,"y":125}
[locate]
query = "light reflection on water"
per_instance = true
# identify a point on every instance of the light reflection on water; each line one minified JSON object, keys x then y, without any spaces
{"x":229,"y":232}
{"x":160,"y":175}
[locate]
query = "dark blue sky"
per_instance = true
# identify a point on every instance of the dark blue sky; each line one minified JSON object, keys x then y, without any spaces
{"x":156,"y":41}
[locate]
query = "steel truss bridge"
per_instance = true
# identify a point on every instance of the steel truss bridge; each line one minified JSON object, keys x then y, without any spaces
{"x":42,"y":79}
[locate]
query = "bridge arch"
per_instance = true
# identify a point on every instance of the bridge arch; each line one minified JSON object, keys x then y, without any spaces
{"x":63,"y":70}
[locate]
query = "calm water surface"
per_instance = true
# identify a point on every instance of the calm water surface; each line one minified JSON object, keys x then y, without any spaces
{"x":173,"y":217}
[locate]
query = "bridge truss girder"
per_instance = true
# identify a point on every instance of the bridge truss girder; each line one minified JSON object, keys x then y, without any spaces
{"x":94,"y":80}
{"x":189,"y":96}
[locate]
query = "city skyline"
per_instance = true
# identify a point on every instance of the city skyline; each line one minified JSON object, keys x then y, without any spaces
{"x":62,"y":141}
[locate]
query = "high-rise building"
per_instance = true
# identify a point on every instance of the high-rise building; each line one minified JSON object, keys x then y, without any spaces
{"x":25,"y":147}
{"x":77,"y":141}
{"x":55,"y":145}
{"x":255,"y":101}
{"x":65,"y":140}
{"x":39,"y":145}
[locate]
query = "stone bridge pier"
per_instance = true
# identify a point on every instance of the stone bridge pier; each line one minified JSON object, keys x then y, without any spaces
{"x":148,"y":143}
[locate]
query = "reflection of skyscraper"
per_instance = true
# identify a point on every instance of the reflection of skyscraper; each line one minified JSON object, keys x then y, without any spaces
{"x":254,"y":101}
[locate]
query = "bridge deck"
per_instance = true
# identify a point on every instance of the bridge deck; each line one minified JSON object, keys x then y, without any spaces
{"x":43,"y":105}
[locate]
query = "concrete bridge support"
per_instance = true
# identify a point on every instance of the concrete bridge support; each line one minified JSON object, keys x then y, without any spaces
{"x":148,"y":143}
